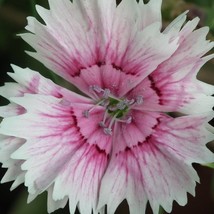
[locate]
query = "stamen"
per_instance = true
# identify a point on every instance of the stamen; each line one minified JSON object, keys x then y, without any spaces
{"x":116,"y":108}
{"x":102,"y":124}
{"x":128,"y":120}
{"x":93,"y":90}
{"x":122,"y":105}
{"x":104,"y":103}
{"x":113,"y":120}
{"x":105,"y":116}
{"x":96,"y":88}
{"x":139,"y":99}
{"x":86,"y":112}
{"x":107,"y":131}
{"x":106,"y":93}
{"x":131,"y":102}
{"x":112,"y":108}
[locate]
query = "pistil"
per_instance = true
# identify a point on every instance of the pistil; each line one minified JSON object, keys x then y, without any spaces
{"x":116,"y":109}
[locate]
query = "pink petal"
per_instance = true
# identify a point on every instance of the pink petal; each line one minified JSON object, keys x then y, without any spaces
{"x":120,"y":48}
{"x":7,"y":147}
{"x":157,"y":168}
{"x":11,"y":110}
{"x":53,"y":204}
{"x":106,"y":77}
{"x":29,"y":81}
{"x":130,"y":54}
{"x":141,"y":127}
{"x":80,"y":178}
{"x":184,"y":96}
{"x":76,"y":22}
{"x":173,"y":85}
{"x":15,"y":174}
{"x":175,"y":26}
{"x":32,"y":82}
{"x":149,"y":13}
{"x":66,"y":148}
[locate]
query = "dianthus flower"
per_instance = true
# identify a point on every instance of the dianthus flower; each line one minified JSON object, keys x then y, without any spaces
{"x":140,"y":123}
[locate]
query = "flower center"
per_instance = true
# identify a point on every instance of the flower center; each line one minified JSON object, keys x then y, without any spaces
{"x":117,"y":109}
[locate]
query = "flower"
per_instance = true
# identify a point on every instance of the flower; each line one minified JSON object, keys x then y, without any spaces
{"x":139,"y":127}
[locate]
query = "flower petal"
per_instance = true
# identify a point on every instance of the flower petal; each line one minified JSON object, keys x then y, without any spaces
{"x":7,"y":146}
{"x":106,"y":77}
{"x":173,"y":85}
{"x":79,"y":149}
{"x":54,"y":205}
{"x":11,"y":110}
{"x":32,"y":82}
{"x":131,"y":54}
{"x":80,"y":178}
{"x":68,"y":149}
{"x":149,"y":13}
{"x":15,"y":174}
{"x":29,"y":81}
{"x":175,"y":26}
{"x":70,"y":33}
{"x":157,"y":168}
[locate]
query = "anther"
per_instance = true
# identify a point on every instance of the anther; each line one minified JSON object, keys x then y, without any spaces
{"x":131,"y":102}
{"x":139,"y":99}
{"x":122,"y":105}
{"x":96,"y":88}
{"x":107,"y":131}
{"x":102,"y":124}
{"x":86,"y":113}
{"x":104,"y":102}
{"x":112,"y":108}
{"x":106,"y":93}
{"x":129,"y":120}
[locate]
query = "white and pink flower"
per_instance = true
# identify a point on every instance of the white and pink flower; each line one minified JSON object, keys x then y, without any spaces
{"x":119,"y":141}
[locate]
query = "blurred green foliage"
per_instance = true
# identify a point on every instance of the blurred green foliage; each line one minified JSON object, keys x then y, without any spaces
{"x":203,"y":9}
{"x":204,"y":3}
